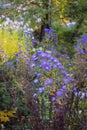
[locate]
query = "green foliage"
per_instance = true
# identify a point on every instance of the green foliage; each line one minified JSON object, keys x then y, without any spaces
{"x":5,"y":98}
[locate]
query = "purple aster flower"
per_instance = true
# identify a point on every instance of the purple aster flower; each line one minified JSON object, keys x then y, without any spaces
{"x":42,"y":55}
{"x":39,"y":20}
{"x":54,"y":34}
{"x":67,"y":57}
{"x":25,"y":53}
{"x":71,"y":80}
{"x":55,"y":60}
{"x":37,"y":73}
{"x":28,"y":61}
{"x":34,"y":95}
{"x":48,"y":53}
{"x":1,"y":51}
{"x":55,"y":66}
{"x":59,"y":93}
{"x":53,"y":99}
{"x":44,"y":37}
{"x":36,"y":81}
{"x":17,"y":61}
{"x":69,"y":64}
{"x":48,"y":81}
{"x":80,"y":94}
{"x":75,"y":89}
{"x":9,"y":63}
{"x":61,"y":67}
{"x":63,"y":87}
{"x":51,"y":29}
{"x":34,"y":57}
{"x":58,"y":64}
{"x":32,"y":65}
{"x":83,"y":95}
{"x":47,"y":67}
{"x":39,"y":52}
{"x":51,"y":58}
{"x":46,"y":30}
{"x":41,"y":89}
{"x":81,"y":52}
{"x":66,"y":81}
{"x":49,"y":36}
{"x":83,"y":39}
{"x":44,"y":62}
{"x":17,"y":54}
{"x":64,"y":73}
{"x":85,"y":75}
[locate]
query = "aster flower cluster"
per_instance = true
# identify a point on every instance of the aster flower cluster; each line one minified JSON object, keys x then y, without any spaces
{"x":15,"y":25}
{"x":81,"y":46}
{"x":80,"y":63}
{"x":50,"y":37}
{"x":45,"y":63}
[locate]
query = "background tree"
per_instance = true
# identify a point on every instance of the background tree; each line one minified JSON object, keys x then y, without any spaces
{"x":51,"y":12}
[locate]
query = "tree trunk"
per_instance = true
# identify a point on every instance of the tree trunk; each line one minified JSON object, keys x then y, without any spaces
{"x":46,"y":21}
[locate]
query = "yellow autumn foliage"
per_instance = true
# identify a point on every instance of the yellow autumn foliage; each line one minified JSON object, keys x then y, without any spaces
{"x":5,"y":116}
{"x":10,"y":43}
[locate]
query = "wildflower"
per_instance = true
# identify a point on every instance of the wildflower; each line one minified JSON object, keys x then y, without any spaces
{"x":44,"y":37}
{"x":71,"y":80}
{"x":34,"y":95}
{"x":25,"y":53}
{"x":61,"y":67}
{"x":47,"y":67}
{"x":85,"y":75}
{"x":37,"y":73}
{"x":66,"y":81}
{"x":81,"y":52}
{"x":38,"y":20}
{"x":9,"y":63}
{"x":54,"y":60}
{"x":64,"y":73}
{"x":83,"y":39}
{"x":32,"y":65}
{"x":69,"y":64}
{"x":46,"y":30}
{"x":53,"y":99}
{"x":17,"y":54}
{"x":34,"y":57}
{"x":27,"y":61}
{"x":63,"y":87}
{"x":80,"y":94}
{"x":54,"y":66}
{"x":36,"y":81}
{"x":42,"y":54}
{"x":74,"y":89}
{"x":16,"y":61}
{"x":44,"y":62}
{"x":41,"y":89}
{"x":83,"y":95}
{"x":2,"y":51}
{"x":48,"y":81}
{"x":48,"y":53}
{"x":59,"y":93}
